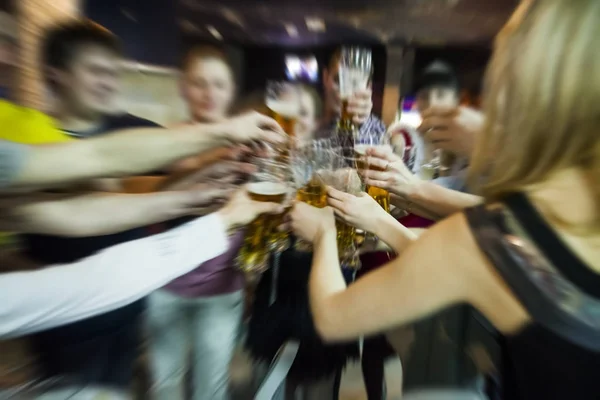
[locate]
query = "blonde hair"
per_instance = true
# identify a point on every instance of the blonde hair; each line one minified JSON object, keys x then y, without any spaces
{"x":542,"y":99}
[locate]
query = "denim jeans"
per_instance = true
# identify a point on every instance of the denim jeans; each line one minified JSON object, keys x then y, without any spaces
{"x":204,"y":328}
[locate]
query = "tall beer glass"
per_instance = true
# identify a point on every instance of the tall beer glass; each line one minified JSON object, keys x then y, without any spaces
{"x":344,"y":177}
{"x":354,"y":74}
{"x":269,"y":184}
{"x":438,"y":162}
{"x":361,"y":144}
{"x":283,"y":102}
{"x":309,"y":163}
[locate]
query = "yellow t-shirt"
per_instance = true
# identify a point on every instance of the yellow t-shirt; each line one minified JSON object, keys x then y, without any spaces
{"x":25,"y":125}
{"x":28,"y":126}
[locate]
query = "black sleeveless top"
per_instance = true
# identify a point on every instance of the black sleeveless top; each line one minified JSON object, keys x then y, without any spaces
{"x":557,"y":355}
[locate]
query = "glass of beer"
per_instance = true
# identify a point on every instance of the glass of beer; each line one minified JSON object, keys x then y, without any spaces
{"x":438,"y":162}
{"x":344,"y":177}
{"x":283,"y":101}
{"x":354,"y":74}
{"x":309,"y":164}
{"x":361,"y":144}
{"x":269,"y":184}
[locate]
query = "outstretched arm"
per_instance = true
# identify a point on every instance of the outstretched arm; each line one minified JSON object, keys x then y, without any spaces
{"x":101,"y":214}
{"x":129,"y":152}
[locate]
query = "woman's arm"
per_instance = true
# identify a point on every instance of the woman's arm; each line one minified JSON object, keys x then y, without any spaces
{"x":440,"y":200}
{"x":364,"y":213}
{"x":429,"y":275}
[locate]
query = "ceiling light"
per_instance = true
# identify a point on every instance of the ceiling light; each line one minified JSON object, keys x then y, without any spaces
{"x":315,"y":24}
{"x":291,"y":30}
{"x":232,"y":16}
{"x":213,"y":31}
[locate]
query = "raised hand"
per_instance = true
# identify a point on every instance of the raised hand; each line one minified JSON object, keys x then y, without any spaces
{"x":252,"y":126}
{"x":360,"y":211}
{"x":240,"y":210}
{"x":308,"y":222}
{"x":360,"y":105}
{"x":454,"y":130}
{"x":389,"y":172}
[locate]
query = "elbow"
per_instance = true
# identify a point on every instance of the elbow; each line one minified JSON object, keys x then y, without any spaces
{"x":326,"y":327}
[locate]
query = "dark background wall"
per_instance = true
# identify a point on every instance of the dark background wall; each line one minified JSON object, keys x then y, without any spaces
{"x":148,"y":28}
{"x":468,"y":62}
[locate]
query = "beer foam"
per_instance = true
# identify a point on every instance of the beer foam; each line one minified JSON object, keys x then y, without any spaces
{"x":284,"y":108}
{"x":362,"y":148}
{"x":267,"y":188}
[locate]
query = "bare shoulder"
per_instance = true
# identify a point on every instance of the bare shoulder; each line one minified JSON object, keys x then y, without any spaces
{"x":483,"y":287}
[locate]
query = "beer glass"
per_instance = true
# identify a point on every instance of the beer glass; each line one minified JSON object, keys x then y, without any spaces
{"x":309,"y":162}
{"x":362,"y":143}
{"x":354,"y":74}
{"x":283,"y":102}
{"x":269,"y":184}
{"x":438,"y":162}
{"x":344,"y":177}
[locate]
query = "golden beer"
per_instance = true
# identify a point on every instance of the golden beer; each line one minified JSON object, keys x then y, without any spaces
{"x":286,"y":115}
{"x":254,"y":254}
{"x":345,"y":239}
{"x":381,"y":196}
{"x":345,"y":121}
{"x":313,"y":194}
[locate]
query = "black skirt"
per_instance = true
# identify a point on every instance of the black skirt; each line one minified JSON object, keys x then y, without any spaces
{"x":289,"y":318}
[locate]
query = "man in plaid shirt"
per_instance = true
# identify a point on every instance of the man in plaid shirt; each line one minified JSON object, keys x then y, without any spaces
{"x":360,"y":106}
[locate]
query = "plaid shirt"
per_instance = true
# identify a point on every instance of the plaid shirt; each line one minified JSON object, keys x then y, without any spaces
{"x":372,"y":126}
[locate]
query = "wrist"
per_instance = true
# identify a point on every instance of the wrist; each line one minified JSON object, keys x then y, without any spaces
{"x":201,"y":135}
{"x":415,"y":190}
{"x":324,"y":232}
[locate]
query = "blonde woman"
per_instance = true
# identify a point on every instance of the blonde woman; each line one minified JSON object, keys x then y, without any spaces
{"x":529,"y":259}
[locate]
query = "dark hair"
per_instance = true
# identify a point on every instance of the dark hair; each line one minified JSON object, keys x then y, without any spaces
{"x":438,"y":73}
{"x":61,"y":42}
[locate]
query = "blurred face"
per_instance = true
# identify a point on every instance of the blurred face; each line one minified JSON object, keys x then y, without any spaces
{"x":332,"y":88}
{"x":208,"y":88}
{"x":91,"y":82}
{"x":307,"y":119}
{"x":437,"y":96}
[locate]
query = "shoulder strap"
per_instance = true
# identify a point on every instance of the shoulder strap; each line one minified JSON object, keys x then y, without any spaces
{"x":550,"y":299}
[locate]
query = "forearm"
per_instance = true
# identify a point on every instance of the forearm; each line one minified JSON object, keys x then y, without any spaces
{"x":440,"y":200}
{"x":326,"y":278}
{"x":93,"y":214}
{"x":122,"y":153}
{"x":393,"y":233}
{"x":113,"y":278}
{"x":380,"y":245}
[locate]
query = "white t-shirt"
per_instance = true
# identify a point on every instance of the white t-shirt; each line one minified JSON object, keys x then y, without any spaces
{"x":37,"y":300}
